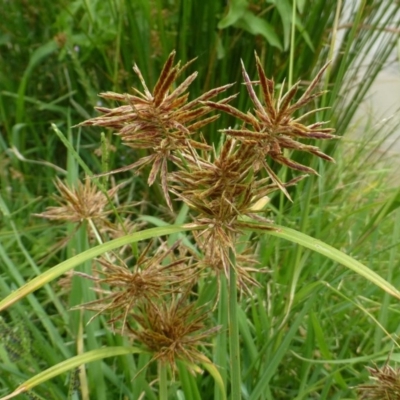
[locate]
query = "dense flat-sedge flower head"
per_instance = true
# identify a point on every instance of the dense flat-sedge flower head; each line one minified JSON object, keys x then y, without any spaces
{"x":126,"y":288}
{"x":385,"y":385}
{"x":223,"y":186}
{"x":246,"y":264}
{"x":172,"y":330}
{"x":163,"y":120}
{"x":223,"y":190}
{"x":272,"y":127}
{"x":80,"y":203}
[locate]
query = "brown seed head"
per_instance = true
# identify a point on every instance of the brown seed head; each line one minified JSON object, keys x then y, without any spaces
{"x":80,"y":203}
{"x":172,"y":330}
{"x":127,"y":288}
{"x":222,"y":189}
{"x":386,"y":384}
{"x":272,"y":127}
{"x":163,"y":120}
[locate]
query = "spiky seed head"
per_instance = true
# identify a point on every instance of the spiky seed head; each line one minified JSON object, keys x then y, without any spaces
{"x":385,"y":385}
{"x":273,"y":128}
{"x":162,"y":121}
{"x":82,"y":202}
{"x":121,"y":288}
{"x":172,"y":330}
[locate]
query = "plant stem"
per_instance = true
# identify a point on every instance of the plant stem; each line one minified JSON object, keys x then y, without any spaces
{"x":292,"y":44}
{"x":221,"y":345}
{"x":234,"y":348}
{"x":163,"y":381}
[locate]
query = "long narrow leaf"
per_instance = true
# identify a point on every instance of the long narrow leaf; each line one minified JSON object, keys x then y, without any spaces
{"x":71,"y":364}
{"x":213,"y":370}
{"x":330,"y":252}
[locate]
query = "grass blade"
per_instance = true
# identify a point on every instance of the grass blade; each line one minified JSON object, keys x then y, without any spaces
{"x":71,"y":364}
{"x":332,"y":253}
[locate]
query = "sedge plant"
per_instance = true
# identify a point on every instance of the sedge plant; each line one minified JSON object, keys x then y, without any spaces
{"x":153,"y":297}
{"x":222,"y":186}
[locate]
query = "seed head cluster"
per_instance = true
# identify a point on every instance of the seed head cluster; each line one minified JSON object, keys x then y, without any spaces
{"x":385,"y":385}
{"x":80,"y":203}
{"x":272,"y":127}
{"x":225,"y":187}
{"x":163,"y":121}
{"x":129,"y":287}
{"x":173,"y":331}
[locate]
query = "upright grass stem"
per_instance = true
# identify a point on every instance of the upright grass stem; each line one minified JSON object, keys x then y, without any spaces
{"x":234,"y":348}
{"x":163,"y":380}
{"x":220,"y":347}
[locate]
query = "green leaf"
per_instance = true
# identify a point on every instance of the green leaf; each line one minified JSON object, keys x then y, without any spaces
{"x":300,"y":5}
{"x":188,"y":382}
{"x":274,"y":362}
{"x":71,"y":364}
{"x":328,"y":251}
{"x":324,"y":347}
{"x":236,"y":10}
{"x":37,"y":56}
{"x":347,"y":361}
{"x":219,"y":46}
{"x":41,"y":53}
{"x":390,"y":205}
{"x":285,"y":11}
{"x":258,"y":26}
{"x":241,"y":17}
{"x":305,"y":34}
{"x":398,"y":49}
{"x":212,"y":369}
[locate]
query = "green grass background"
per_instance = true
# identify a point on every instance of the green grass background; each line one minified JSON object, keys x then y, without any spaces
{"x":311,"y":328}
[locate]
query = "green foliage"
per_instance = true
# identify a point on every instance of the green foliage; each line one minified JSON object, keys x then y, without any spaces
{"x":312,"y":326}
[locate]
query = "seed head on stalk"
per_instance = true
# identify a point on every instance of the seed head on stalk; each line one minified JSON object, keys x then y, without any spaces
{"x":272,"y":127}
{"x":173,"y":329}
{"x":79,"y":203}
{"x":385,"y":385}
{"x":127,"y":288}
{"x":162,"y":121}
{"x":223,"y":190}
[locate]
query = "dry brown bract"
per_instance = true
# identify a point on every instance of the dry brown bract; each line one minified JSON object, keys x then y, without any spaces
{"x":222,"y":190}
